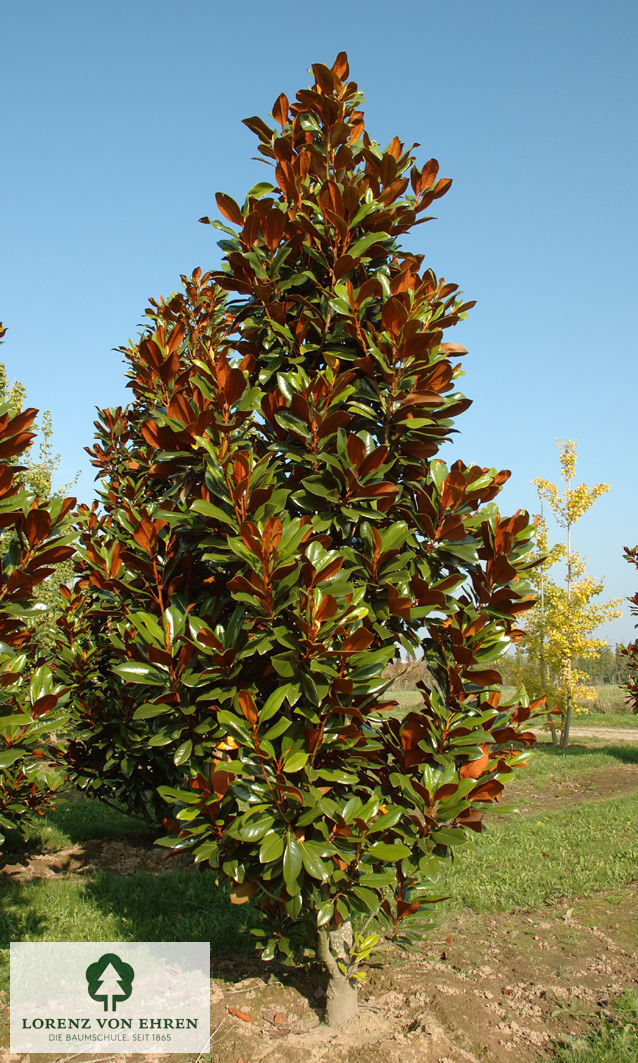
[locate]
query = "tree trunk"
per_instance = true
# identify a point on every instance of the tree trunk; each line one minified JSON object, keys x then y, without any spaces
{"x":542,"y":656}
{"x":564,"y":738}
{"x":342,"y":1001}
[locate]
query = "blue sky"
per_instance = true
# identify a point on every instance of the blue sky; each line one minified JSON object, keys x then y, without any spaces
{"x":120,"y":121}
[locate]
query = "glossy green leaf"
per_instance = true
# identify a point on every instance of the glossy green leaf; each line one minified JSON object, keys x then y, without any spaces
{"x":294,"y":762}
{"x":138,"y":672}
{"x":312,"y":861}
{"x":271,"y":847}
{"x":147,"y":711}
{"x":325,"y":912}
{"x":388,"y":851}
{"x":292,"y":864}
{"x":183,"y":752}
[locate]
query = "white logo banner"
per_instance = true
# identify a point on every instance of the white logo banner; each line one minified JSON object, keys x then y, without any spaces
{"x":98,"y":997}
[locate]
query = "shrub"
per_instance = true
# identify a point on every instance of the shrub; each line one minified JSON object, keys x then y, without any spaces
{"x":274,"y":522}
{"x":35,"y":539}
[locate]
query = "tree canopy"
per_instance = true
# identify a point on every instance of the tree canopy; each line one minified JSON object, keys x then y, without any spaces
{"x":274,"y":519}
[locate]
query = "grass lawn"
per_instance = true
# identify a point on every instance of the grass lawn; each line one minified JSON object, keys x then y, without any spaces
{"x":173,"y":906}
{"x":525,"y":863}
{"x":77,"y":819}
{"x":611,"y":699}
{"x":551,"y":766}
{"x":625,"y":720}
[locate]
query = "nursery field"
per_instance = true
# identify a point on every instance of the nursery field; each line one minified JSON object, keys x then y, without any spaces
{"x":609,"y":717}
{"x":532,"y":957}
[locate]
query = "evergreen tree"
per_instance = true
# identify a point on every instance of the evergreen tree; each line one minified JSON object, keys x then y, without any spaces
{"x":274,"y":521}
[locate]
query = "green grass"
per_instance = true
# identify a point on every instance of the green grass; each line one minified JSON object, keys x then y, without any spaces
{"x":547,"y":761}
{"x":76,"y":819}
{"x":549,"y":765}
{"x":408,"y":699}
{"x":608,"y":719}
{"x":610,"y":699}
{"x":557,"y":774}
{"x":525,"y":863}
{"x":614,"y":1041}
{"x":174,"y":906}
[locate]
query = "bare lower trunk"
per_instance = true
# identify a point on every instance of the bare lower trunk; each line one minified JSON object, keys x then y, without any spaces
{"x":342,"y":1002}
{"x":554,"y":734}
{"x":564,"y":738}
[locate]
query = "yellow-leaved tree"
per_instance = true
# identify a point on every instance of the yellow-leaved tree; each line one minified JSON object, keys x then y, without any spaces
{"x":560,"y":628}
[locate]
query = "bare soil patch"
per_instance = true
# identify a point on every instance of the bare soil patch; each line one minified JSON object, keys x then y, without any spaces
{"x":500,"y":989}
{"x":124,"y":856}
{"x":601,"y":784}
{"x":606,"y":734}
{"x":489,"y":989}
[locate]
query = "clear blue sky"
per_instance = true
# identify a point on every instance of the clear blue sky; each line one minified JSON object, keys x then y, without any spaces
{"x":121,"y":120}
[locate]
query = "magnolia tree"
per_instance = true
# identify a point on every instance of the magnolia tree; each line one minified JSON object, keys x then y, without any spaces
{"x":35,"y":540}
{"x":274,"y":521}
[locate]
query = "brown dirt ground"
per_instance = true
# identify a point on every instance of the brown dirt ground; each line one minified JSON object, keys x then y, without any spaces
{"x":489,"y":989}
{"x":125,"y":856}
{"x":606,"y":734}
{"x":503,"y":990}
{"x":598,"y":785}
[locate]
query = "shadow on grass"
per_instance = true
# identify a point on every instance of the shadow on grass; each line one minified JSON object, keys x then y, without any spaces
{"x":72,"y":820}
{"x":175,"y":906}
{"x":84,"y":818}
{"x":19,"y":920}
{"x":625,"y":752}
{"x":172,"y":906}
{"x":188,"y":906}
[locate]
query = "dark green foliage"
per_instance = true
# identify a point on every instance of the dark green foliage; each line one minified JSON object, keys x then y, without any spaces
{"x":35,"y":539}
{"x":274,"y":520}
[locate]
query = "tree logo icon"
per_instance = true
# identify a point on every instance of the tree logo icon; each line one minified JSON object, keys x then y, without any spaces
{"x":110,"y":980}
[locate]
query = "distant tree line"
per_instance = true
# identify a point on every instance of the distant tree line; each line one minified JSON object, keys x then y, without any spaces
{"x":610,"y":667}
